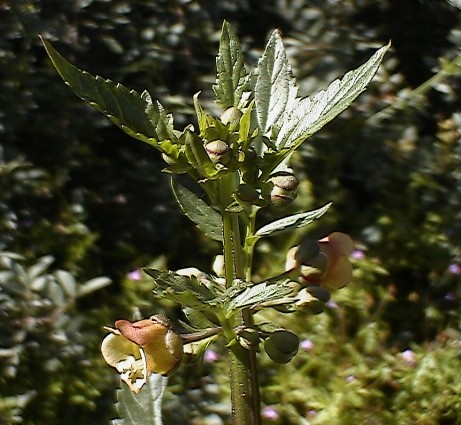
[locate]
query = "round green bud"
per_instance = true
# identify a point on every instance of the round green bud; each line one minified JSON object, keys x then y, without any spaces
{"x":218,"y":151}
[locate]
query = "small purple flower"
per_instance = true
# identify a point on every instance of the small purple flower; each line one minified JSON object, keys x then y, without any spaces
{"x":454,"y":269}
{"x":135,"y":275}
{"x":211,"y":356}
{"x":357,"y":254}
{"x":307,"y":345}
{"x":270,"y":413}
{"x":311,"y":413}
{"x":350,"y":378}
{"x":409,"y":357}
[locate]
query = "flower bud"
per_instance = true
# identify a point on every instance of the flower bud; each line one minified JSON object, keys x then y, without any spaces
{"x":308,"y":303}
{"x":232,"y":117}
{"x":281,"y":346}
{"x":218,"y":151}
{"x":280,"y":190}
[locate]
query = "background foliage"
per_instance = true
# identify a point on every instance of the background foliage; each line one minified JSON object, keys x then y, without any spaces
{"x":75,"y":188}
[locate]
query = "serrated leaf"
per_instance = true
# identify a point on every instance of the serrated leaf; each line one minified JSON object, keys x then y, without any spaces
{"x":93,"y":285}
{"x":291,"y":222}
{"x":144,"y":408}
{"x":160,"y":120}
{"x":123,"y":107}
{"x":230,"y":78}
{"x":308,"y":115}
{"x":206,"y":218}
{"x":275,"y":87}
{"x":183,"y":290}
{"x":258,"y":294}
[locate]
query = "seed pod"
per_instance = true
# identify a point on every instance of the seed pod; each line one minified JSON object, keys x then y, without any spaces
{"x":218,"y":151}
{"x":281,"y":346}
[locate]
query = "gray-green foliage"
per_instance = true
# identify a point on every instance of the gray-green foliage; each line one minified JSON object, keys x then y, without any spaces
{"x":40,"y":331}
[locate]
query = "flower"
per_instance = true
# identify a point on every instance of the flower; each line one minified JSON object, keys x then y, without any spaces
{"x":270,"y":413}
{"x":325,"y":262}
{"x":137,"y":349}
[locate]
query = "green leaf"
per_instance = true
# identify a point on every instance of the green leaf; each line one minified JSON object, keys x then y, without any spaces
{"x":126,"y":108}
{"x":275,"y":88}
{"x":144,"y":408}
{"x":308,"y":115}
{"x":183,"y":290}
{"x":291,"y":222}
{"x":257,"y":294}
{"x":197,"y":156}
{"x":230,"y":78}
{"x":161,"y":121}
{"x":206,"y":218}
{"x":93,"y":285}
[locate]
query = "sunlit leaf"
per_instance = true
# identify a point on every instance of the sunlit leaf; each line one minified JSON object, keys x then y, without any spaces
{"x":260,"y":293}
{"x":144,"y":408}
{"x":275,"y":87}
{"x":230,"y":78}
{"x":308,"y":115}
{"x":291,"y":222}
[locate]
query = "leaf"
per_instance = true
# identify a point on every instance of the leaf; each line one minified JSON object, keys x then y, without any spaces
{"x":67,"y":282}
{"x":308,"y":115}
{"x":183,"y":290}
{"x":126,"y":108}
{"x":230,"y":78}
{"x":275,"y":87}
{"x":144,"y":408}
{"x":206,"y":218}
{"x":161,"y":121}
{"x":93,"y":285}
{"x":198,"y":157}
{"x":257,"y":294}
{"x":291,"y":222}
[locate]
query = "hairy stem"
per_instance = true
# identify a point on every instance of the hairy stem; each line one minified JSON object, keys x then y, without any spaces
{"x":243,"y":369}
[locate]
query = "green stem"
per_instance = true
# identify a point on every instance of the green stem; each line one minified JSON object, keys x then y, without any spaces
{"x":243,"y":369}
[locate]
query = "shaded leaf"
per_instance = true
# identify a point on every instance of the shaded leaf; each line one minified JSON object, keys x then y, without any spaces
{"x":125,"y":108}
{"x":144,"y":408}
{"x":291,"y":222}
{"x":206,"y":218}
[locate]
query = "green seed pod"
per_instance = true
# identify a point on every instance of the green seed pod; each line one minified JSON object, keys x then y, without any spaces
{"x":218,"y":151}
{"x":232,"y":117}
{"x":318,"y":292}
{"x":281,"y":346}
{"x":280,"y":189}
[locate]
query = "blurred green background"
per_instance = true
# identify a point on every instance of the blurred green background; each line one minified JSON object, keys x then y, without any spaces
{"x":82,"y":203}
